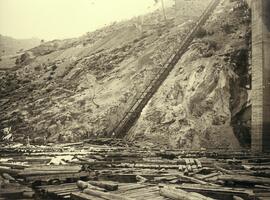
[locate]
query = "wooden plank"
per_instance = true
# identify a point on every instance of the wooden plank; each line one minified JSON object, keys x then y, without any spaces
{"x":59,"y":190}
{"x":68,"y":192}
{"x":14,"y":165}
{"x":244,"y":193}
{"x":130,"y":187}
{"x":44,"y":173}
{"x":66,"y":185}
{"x":57,"y":176}
{"x":141,"y":191}
{"x":75,"y":168}
{"x":105,"y":195}
{"x":82,"y":196}
{"x":144,"y":194}
{"x":178,"y":194}
{"x":9,"y":170}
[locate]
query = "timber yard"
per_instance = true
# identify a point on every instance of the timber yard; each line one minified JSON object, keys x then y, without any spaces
{"x":174,"y":104}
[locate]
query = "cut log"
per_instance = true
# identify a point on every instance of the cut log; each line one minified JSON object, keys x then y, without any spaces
{"x":200,"y":196}
{"x":237,"y":198}
{"x":122,"y":154}
{"x":256,"y":167}
{"x":262,"y":173}
{"x":187,"y":161}
{"x":262,"y":187}
{"x":8,"y":177}
{"x":107,"y":185}
{"x":57,"y":176}
{"x":199,"y":164}
{"x":218,"y":191}
{"x":53,"y":168}
{"x":141,"y":179}
{"x":245,"y":179}
{"x":201,"y":170}
{"x":9,"y":170}
{"x":209,"y":176}
{"x":84,"y":185}
{"x":14,"y":191}
{"x":180,"y":168}
{"x":189,"y":168}
{"x":191,"y":179}
{"x":28,"y":195}
{"x":60,"y":188}
{"x":191,"y":161}
{"x":105,"y":195}
{"x":14,"y":165}
{"x":82,"y":196}
{"x":145,"y":166}
{"x":178,"y":194}
{"x":43,"y":173}
{"x":263,"y":194}
{"x":164,"y":178}
{"x":225,"y":171}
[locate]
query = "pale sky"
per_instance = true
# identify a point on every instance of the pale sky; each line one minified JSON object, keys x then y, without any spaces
{"x":58,"y":19}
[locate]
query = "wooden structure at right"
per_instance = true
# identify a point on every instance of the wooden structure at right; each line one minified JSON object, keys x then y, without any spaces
{"x":260,"y":76}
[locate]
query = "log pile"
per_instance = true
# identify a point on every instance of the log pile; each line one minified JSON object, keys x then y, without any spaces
{"x":90,"y":171}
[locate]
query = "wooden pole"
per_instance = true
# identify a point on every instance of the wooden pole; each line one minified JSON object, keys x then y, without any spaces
{"x":163,"y":8}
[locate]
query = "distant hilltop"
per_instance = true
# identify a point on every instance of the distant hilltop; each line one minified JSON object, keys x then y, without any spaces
{"x":10,"y":46}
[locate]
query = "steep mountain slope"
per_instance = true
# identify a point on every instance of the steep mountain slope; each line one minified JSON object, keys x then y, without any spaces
{"x":67,"y":90}
{"x":200,"y":103}
{"x":71,"y":89}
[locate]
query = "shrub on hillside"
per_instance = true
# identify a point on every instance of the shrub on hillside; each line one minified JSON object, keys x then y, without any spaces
{"x":227,"y":28}
{"x":201,"y":33}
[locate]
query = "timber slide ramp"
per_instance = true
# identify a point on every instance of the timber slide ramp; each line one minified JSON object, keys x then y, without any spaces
{"x":133,"y":112}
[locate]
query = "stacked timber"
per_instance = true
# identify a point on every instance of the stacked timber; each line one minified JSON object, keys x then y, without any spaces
{"x":89,"y":171}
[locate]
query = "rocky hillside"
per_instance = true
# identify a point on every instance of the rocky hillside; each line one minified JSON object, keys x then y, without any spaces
{"x":205,"y":100}
{"x":68,"y":90}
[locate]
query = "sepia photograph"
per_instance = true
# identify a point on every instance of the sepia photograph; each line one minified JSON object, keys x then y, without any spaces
{"x":134,"y":99}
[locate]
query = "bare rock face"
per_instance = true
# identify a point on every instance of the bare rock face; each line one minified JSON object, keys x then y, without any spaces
{"x":200,"y":102}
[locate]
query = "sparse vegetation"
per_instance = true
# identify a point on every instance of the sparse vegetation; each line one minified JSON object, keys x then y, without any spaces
{"x":54,"y":67}
{"x":227,"y":28}
{"x":201,"y":33}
